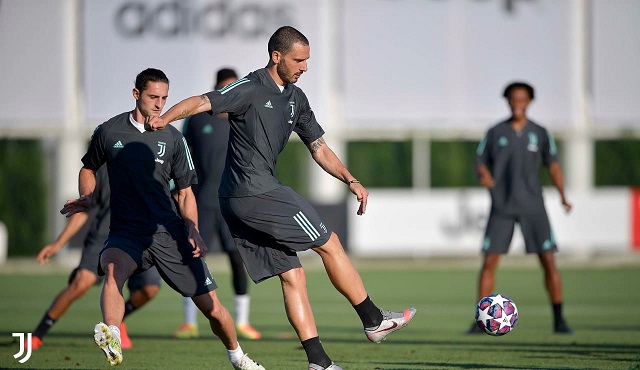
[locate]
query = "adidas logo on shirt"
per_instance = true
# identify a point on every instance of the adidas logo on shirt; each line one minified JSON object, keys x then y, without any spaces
{"x":268,"y":104}
{"x":118,"y":144}
{"x":208,"y":282}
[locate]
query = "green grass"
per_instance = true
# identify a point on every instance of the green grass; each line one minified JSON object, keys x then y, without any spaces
{"x":601,"y":304}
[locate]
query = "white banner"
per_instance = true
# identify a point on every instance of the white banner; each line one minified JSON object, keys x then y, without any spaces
{"x":188,"y":40}
{"x":452,"y":223}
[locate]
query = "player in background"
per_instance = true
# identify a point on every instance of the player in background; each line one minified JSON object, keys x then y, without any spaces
{"x":142,"y":287}
{"x":509,"y":159}
{"x":147,"y":227}
{"x":208,"y":137}
{"x":270,"y":222}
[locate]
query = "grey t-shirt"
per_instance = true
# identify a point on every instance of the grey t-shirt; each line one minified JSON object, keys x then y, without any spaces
{"x":262,"y":119}
{"x":515,"y":160}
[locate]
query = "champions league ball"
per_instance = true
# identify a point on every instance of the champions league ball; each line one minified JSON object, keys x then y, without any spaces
{"x":496,"y":314}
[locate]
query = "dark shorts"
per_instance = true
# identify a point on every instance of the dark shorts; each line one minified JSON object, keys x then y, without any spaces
{"x":214,"y":230}
{"x":90,"y":260}
{"x":269,"y":229}
{"x":170,"y":253}
{"x":536,"y":230}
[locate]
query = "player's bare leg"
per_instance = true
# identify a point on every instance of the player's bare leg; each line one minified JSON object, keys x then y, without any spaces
{"x":223,"y":327}
{"x":341,"y":271}
{"x":487,"y":278}
{"x":219,"y":318}
{"x":78,"y":287}
{"x":296,"y":303}
{"x":118,"y":267}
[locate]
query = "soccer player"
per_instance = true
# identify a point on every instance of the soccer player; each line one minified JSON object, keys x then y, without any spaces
{"x":147,"y":226}
{"x":208,"y":137}
{"x":270,"y":222}
{"x":509,"y":159}
{"x":142,"y":287}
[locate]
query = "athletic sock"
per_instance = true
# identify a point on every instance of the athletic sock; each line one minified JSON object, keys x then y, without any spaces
{"x":315,"y":352}
{"x":241,"y":303}
{"x":43,"y":327}
{"x":557,"y":313}
{"x":370,"y":315}
{"x":235,"y":354}
{"x":190,"y":311}
{"x":128,"y":308}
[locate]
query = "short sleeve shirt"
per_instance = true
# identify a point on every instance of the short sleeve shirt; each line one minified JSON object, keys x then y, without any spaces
{"x":262,"y":118}
{"x":140,"y":166}
{"x":100,"y":210}
{"x":515,"y":160}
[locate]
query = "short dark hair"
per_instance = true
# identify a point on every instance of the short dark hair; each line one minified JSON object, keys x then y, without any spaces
{"x":518,"y":85}
{"x":150,"y":74}
{"x":224,"y":74}
{"x":283,"y":39}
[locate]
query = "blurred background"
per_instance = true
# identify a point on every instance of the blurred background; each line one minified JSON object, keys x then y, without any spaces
{"x":405,"y":90}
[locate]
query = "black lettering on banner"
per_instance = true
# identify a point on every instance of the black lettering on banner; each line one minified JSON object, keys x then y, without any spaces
{"x":210,"y":19}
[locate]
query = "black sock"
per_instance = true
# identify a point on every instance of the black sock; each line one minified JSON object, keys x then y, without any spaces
{"x":370,"y":315}
{"x":557,"y":313}
{"x":128,"y":309}
{"x":315,"y":352}
{"x":43,"y":327}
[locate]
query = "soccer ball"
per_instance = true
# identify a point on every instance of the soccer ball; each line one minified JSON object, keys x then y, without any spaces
{"x":496,"y":314}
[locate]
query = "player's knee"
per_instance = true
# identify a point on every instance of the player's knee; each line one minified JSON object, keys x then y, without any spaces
{"x":150,"y":291}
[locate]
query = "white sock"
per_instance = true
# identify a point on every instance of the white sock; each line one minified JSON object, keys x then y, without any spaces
{"x":190,"y":311}
{"x":242,"y":303}
{"x":235,"y":355}
{"x":115,"y":331}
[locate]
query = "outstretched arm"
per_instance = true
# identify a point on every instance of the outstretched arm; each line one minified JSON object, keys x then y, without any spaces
{"x":186,"y":108}
{"x":329,"y":161}
{"x":189,"y":211}
{"x":555,"y":172}
{"x":71,"y":228}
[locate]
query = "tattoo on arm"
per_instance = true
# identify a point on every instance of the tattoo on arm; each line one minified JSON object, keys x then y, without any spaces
{"x":315,"y":145}
{"x":183,"y":114}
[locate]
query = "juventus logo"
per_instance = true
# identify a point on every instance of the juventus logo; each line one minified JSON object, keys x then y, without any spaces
{"x":162,"y":146}
{"x":22,"y":347}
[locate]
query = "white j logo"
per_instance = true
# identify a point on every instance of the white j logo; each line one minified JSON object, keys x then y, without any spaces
{"x":21,"y":351}
{"x":162,"y":146}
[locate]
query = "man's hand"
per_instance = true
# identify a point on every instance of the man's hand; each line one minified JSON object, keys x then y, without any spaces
{"x":74,"y":206}
{"x":486,"y":180}
{"x":199,"y":247}
{"x":362,"y":194}
{"x":567,"y":206}
{"x":48,"y":251}
{"x":152,"y":123}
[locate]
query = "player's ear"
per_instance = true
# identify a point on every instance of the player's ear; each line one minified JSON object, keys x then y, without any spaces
{"x":275,"y":57}
{"x":136,"y":93}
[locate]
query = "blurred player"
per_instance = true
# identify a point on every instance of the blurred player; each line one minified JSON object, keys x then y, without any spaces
{"x":146,"y":228}
{"x":208,"y":137}
{"x":142,"y":287}
{"x":509,"y":159}
{"x":270,"y":222}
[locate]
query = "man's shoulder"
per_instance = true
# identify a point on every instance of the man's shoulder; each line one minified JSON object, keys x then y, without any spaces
{"x":499,"y":126}
{"x":111,"y":122}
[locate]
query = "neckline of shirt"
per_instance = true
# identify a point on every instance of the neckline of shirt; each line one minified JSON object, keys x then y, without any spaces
{"x":136,"y":124}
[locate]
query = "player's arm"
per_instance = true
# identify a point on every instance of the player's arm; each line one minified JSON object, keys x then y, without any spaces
{"x":555,"y":172}
{"x":329,"y":161}
{"x":188,"y":208}
{"x":186,"y":108}
{"x":75,"y":223}
{"x":484,"y":175}
{"x":86,"y":186}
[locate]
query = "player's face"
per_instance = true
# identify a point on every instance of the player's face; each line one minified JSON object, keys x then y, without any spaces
{"x":152,"y":99}
{"x":293,"y":64}
{"x":518,"y":102}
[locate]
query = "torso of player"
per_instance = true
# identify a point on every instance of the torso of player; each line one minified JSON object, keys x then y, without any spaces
{"x":516,"y":159}
{"x":140,"y":166}
{"x":260,"y":131}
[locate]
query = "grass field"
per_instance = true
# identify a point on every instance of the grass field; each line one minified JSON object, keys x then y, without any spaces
{"x":602,"y":305}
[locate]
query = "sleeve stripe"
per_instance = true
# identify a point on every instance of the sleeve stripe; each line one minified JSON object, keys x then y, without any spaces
{"x":481,"y":146}
{"x":189,"y":159}
{"x":553,"y":149}
{"x":233,"y":85}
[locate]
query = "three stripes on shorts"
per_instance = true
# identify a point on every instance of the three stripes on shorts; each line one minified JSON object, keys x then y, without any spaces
{"x":306,"y":225}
